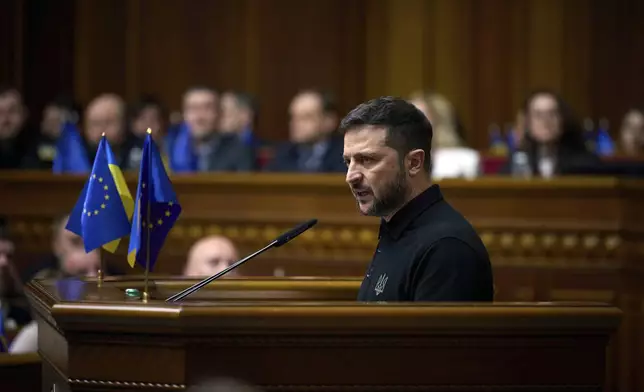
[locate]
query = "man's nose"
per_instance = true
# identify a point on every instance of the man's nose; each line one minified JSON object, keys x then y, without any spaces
{"x":353,"y":176}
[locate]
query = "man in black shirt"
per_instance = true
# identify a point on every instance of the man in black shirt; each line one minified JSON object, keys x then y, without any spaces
{"x":427,"y":251}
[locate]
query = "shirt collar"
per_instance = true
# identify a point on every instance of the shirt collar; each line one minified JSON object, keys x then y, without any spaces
{"x":406,"y":215}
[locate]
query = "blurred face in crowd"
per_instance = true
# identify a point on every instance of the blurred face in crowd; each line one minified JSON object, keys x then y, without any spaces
{"x":423,"y":107}
{"x":376,"y":174}
{"x":6,"y":257}
{"x":209,"y":256}
{"x":52,"y":121}
{"x":632,"y":132}
{"x":201,"y":112}
{"x":544,"y":119}
{"x":234,"y":117}
{"x":69,"y":249}
{"x":12,"y":114}
{"x":149,"y":117}
{"x":309,"y":123}
{"x":105,"y":115}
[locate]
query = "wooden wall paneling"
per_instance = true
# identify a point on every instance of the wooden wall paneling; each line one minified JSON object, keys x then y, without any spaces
{"x":11,"y":37}
{"x":617,"y":58}
{"x":577,"y":33}
{"x":405,"y":47}
{"x":452,"y":23}
{"x":545,"y":42}
{"x":299,"y":47}
{"x":100,"y":48}
{"x":376,"y":32}
{"x":519,"y":59}
{"x":493,"y":65}
{"x":184,"y":45}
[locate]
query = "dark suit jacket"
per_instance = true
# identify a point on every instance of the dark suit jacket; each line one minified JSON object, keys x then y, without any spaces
{"x":287,"y":157}
{"x":231,"y":154}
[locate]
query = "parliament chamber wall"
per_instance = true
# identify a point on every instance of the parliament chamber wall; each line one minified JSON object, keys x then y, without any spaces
{"x":484,"y":56}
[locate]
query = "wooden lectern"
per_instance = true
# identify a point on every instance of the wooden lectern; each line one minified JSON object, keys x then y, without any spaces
{"x":280,"y":337}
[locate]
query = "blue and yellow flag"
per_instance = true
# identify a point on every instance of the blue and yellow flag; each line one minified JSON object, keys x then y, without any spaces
{"x":103,"y":211}
{"x":4,"y":346}
{"x":157,"y":208}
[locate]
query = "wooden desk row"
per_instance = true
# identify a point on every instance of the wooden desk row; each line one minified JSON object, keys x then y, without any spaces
{"x":309,"y":335}
{"x":573,"y":239}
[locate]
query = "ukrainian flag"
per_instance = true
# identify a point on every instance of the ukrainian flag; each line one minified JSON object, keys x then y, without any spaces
{"x":104,"y":209}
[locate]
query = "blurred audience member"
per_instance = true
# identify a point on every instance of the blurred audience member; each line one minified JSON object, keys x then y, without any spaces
{"x":145,"y":113}
{"x":106,"y":114}
{"x":15,"y":138}
{"x":209,"y":256}
{"x":632,"y":132}
{"x":450,"y":157}
{"x":68,"y":257}
{"x":223,"y":385}
{"x":238,"y":113}
{"x":197,"y":145}
{"x":554,"y":142}
{"x":11,"y":299}
{"x":314,"y":145}
{"x":58,"y":112}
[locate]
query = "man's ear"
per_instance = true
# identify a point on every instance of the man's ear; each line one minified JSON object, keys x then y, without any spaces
{"x":415,"y":160}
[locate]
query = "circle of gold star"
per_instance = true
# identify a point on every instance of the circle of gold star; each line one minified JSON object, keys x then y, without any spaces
{"x":106,"y":197}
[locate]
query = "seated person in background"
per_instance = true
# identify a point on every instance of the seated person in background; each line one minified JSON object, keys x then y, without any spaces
{"x":450,"y":157}
{"x":15,"y":310}
{"x":314,"y":145}
{"x":554,"y":142}
{"x":238,"y":113}
{"x":146,"y":113}
{"x":632,"y":133}
{"x":209,"y":256}
{"x":107,"y":114}
{"x":198,"y":145}
{"x":15,"y":136}
{"x":70,"y":259}
{"x":55,"y":114}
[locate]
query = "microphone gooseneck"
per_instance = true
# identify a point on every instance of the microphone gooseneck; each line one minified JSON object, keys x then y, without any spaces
{"x":279,"y":241}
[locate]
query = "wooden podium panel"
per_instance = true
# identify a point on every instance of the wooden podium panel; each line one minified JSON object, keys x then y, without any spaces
{"x":93,"y":339}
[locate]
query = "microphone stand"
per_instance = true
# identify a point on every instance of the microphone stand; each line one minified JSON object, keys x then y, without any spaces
{"x":197,"y":286}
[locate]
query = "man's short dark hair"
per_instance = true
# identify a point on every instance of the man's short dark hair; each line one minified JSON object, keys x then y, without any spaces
{"x":407,"y":127}
{"x":144,"y":102}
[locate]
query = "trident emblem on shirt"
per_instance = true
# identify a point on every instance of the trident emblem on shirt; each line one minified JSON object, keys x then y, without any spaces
{"x":381,"y":283}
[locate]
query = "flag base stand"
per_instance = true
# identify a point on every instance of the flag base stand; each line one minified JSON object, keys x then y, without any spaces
{"x":100,"y":275}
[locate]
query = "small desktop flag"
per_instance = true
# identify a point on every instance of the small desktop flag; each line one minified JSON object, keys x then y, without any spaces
{"x":71,"y":155}
{"x":4,"y":346}
{"x":604,"y":145}
{"x":103,"y":211}
{"x":157,"y":208}
{"x":498,"y":146}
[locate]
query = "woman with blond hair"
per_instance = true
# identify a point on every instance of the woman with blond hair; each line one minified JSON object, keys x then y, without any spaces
{"x":451,"y":158}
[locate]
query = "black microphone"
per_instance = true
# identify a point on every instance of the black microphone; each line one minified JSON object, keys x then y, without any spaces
{"x":276,"y":243}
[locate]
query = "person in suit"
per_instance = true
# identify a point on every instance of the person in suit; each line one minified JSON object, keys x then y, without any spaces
{"x":199,"y":146}
{"x":314,"y":145}
{"x":553,"y":142}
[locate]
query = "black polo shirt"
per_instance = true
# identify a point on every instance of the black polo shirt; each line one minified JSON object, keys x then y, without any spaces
{"x":428,"y":252}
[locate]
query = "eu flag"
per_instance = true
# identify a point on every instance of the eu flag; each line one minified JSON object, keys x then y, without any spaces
{"x":102,"y":213}
{"x":156,"y":211}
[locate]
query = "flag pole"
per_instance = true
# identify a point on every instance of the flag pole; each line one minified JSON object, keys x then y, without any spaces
{"x":146,"y":294}
{"x":101,"y":268}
